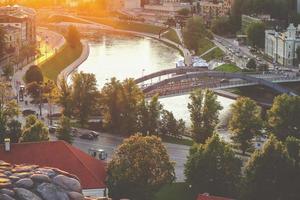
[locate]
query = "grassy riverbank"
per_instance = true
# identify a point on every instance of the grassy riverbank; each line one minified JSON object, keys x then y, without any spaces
{"x":172,"y":35}
{"x":205,"y":45}
{"x":60,"y":61}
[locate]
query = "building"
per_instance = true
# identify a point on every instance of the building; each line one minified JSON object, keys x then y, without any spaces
{"x":12,"y":37}
{"x":167,"y":6}
{"x":59,"y":154}
{"x":265,"y":19}
{"x":282,"y":46}
{"x":132,"y":4}
{"x":22,"y":18}
{"x":211,"y":9}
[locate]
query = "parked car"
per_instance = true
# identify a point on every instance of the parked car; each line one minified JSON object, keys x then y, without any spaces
{"x":87,"y":136}
{"x":94,"y":133}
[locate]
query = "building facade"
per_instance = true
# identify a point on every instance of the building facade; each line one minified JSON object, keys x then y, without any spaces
{"x":282,"y":46}
{"x":211,"y":9}
{"x":21,"y":18}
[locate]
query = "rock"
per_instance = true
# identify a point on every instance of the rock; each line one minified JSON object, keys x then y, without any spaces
{"x":40,"y":178}
{"x":7,"y":173}
{"x":22,"y":168}
{"x":75,"y":196}
{"x":7,"y":191}
{"x":23,"y":174}
{"x":49,"y":172}
{"x":14,"y":178}
{"x":24,"y":183}
{"x":6,"y":197}
{"x":67,"y":183}
{"x":24,"y":194}
{"x":50,"y":191}
{"x":5,"y":183}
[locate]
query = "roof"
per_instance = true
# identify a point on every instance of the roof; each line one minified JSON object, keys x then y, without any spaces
{"x":209,"y":197}
{"x":61,"y":155}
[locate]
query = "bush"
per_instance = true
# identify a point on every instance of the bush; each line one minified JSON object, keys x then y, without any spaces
{"x":34,"y":74}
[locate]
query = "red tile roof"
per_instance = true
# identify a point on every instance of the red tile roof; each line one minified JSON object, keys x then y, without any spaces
{"x":61,"y":155}
{"x":209,"y":197}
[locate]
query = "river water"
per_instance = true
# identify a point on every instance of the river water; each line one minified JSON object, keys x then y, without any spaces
{"x":124,"y":56}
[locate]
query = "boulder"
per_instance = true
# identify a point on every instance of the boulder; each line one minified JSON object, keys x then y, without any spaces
{"x":7,"y":191}
{"x":6,"y":197}
{"x":24,"y":183}
{"x":24,"y":194}
{"x":50,"y":191}
{"x":75,"y":196}
{"x":67,"y":183}
{"x":40,"y":178}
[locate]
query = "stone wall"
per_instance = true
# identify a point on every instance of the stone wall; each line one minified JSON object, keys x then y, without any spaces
{"x":31,"y":182}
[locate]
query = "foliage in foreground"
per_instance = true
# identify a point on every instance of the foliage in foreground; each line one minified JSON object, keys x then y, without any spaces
{"x":213,"y":168}
{"x":139,"y":167}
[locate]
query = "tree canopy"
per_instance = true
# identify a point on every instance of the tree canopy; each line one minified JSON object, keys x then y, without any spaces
{"x":256,"y":34}
{"x":73,"y":36}
{"x":34,"y":130}
{"x":204,"y":113}
{"x":213,"y":168}
{"x":284,"y":116}
{"x":245,"y":122}
{"x":139,"y":167}
{"x":34,"y":74}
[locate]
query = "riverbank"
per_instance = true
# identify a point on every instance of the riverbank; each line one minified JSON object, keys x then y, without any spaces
{"x":75,"y":64}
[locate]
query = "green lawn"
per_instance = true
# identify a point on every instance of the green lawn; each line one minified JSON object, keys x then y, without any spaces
{"x":217,"y":53}
{"x":228,"y":68}
{"x":175,"y":191}
{"x":130,"y":26}
{"x":204,"y":45}
{"x":173,"y":140}
{"x":60,"y":61}
{"x":172,"y":35}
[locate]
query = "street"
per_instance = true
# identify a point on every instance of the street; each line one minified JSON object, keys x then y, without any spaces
{"x":109,"y":143}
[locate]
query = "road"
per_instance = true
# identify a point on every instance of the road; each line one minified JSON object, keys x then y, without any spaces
{"x":109,"y":143}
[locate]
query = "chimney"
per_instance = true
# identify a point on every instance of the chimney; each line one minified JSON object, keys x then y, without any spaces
{"x":7,"y":144}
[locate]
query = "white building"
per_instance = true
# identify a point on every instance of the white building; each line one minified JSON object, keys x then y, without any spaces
{"x":282,"y":46}
{"x":132,"y":4}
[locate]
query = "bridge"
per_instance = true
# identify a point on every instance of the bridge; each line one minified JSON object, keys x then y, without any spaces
{"x":183,"y":80}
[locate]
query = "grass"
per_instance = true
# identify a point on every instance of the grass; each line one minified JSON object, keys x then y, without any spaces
{"x":204,"y":45}
{"x":175,"y":191}
{"x":60,"y":61}
{"x":217,"y":53}
{"x":129,"y":26}
{"x":172,"y":35}
{"x":228,"y":68}
{"x":173,"y":140}
{"x":60,"y":18}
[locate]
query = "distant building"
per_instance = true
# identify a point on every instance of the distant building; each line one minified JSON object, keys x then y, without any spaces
{"x":265,"y":19}
{"x":12,"y":37}
{"x":211,"y":9}
{"x":167,"y":6}
{"x":282,"y":46}
{"x":132,"y":4}
{"x":21,"y":18}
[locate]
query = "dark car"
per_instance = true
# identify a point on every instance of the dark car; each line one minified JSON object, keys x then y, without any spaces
{"x":87,"y":136}
{"x":94,"y":133}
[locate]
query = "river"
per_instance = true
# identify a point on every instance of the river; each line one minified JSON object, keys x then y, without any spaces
{"x":124,"y":56}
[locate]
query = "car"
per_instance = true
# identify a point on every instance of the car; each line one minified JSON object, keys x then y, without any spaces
{"x":52,"y":129}
{"x":87,"y":136}
{"x":224,"y":81}
{"x":94,"y":133}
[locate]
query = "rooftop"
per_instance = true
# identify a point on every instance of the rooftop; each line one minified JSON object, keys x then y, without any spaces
{"x":59,"y":154}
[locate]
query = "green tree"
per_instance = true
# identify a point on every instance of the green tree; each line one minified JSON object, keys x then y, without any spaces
{"x":14,"y":130}
{"x":251,"y":64}
{"x":193,"y":32}
{"x":84,"y":95}
{"x":204,"y":112}
{"x":8,"y":71}
{"x":212,"y":167}
{"x":169,"y":126}
{"x":8,"y":109}
{"x":34,"y":74}
{"x":139,"y":168}
{"x":222,"y":26}
{"x":34,"y":130}
{"x":73,"y":36}
{"x":111,"y":105}
{"x":65,"y":98}
{"x":64,"y":130}
{"x":183,"y":12}
{"x":293,"y":147}
{"x":256,"y":34}
{"x":269,"y":174}
{"x":245,"y":122}
{"x":149,"y":116}
{"x":284,"y":116}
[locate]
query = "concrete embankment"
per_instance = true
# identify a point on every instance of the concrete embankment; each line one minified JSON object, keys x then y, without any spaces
{"x":72,"y":67}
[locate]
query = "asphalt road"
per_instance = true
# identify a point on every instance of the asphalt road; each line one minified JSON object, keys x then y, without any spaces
{"x":109,"y":143}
